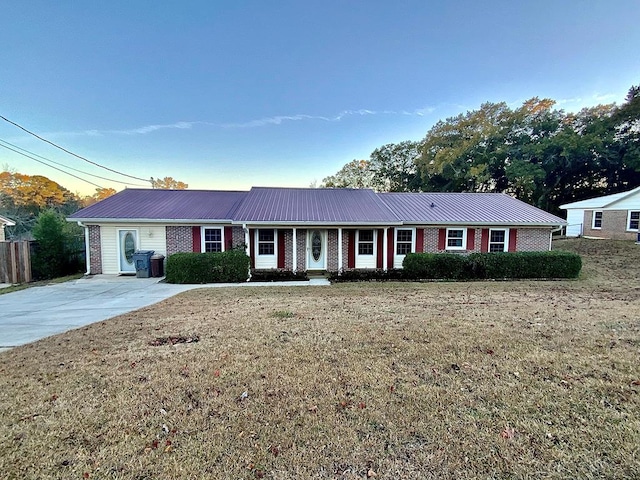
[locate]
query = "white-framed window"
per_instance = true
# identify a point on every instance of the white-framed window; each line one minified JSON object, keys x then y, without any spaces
{"x":266,"y":241}
{"x":596,"y":222}
{"x":499,"y":240}
{"x":212,"y":239}
{"x":405,"y":241}
{"x":456,"y":239}
{"x":365,"y":242}
{"x":633,"y":220}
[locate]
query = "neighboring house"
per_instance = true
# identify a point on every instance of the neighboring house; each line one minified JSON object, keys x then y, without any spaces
{"x":308,"y":229}
{"x":4,"y":222}
{"x":612,"y":216}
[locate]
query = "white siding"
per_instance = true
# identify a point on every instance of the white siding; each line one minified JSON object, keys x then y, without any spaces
{"x":632,"y":202}
{"x":575,"y":218}
{"x":150,"y":237}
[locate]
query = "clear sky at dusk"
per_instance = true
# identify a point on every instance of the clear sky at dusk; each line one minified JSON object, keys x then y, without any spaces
{"x":230,"y":94}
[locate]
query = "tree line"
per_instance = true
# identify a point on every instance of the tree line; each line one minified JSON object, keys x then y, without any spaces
{"x":536,"y":152}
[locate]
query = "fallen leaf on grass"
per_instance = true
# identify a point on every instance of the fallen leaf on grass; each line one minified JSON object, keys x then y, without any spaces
{"x":508,"y":432}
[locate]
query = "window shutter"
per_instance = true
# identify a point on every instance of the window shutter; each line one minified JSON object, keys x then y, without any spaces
{"x":390,"y":247}
{"x":484,"y":240}
{"x":513,"y":239}
{"x":197,"y":239}
{"x":228,"y":238}
{"x":442,"y":238}
{"x":280,"y":234}
{"x":351,"y":250}
{"x":252,"y":247}
{"x":419,"y":240}
{"x":471,"y":238}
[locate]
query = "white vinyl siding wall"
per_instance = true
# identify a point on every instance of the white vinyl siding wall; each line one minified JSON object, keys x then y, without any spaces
{"x":152,"y":237}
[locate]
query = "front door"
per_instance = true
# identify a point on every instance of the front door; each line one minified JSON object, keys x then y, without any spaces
{"x":316,"y":250}
{"x":127,"y":245}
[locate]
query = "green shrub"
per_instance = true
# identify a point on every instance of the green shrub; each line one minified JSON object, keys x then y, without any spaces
{"x":59,"y":247}
{"x":277,"y":275}
{"x":367,"y":275}
{"x":444,"y":266}
{"x":225,"y":267}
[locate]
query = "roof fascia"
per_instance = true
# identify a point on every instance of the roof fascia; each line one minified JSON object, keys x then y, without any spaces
{"x":150,"y":220}
{"x":318,"y":224}
{"x":488,"y":224}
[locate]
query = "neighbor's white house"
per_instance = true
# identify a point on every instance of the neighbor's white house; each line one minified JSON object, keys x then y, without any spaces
{"x":4,"y":222}
{"x":611,"y":216}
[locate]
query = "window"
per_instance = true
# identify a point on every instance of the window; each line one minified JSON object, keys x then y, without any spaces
{"x":212,"y":239}
{"x":597,"y":220}
{"x":365,"y":242}
{"x":404,"y":242}
{"x":456,"y":238}
{"x":266,"y":242}
{"x":498,"y":240}
{"x":634,"y":220}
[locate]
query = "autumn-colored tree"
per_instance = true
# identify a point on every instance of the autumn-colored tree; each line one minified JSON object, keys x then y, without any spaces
{"x":355,"y":174}
{"x":33,"y":191}
{"x":101,"y":194}
{"x":168,"y":183}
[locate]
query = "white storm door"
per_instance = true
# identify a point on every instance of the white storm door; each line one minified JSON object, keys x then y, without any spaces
{"x":316,"y":249}
{"x":127,"y":245}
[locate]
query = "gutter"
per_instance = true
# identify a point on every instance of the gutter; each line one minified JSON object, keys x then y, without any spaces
{"x":87,"y":247}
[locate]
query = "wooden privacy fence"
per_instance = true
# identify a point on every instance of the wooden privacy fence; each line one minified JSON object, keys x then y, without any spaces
{"x":15,"y":262}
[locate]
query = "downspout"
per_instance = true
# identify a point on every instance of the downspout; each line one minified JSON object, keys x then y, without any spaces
{"x":247,"y":242}
{"x":87,"y":247}
{"x":551,"y":235}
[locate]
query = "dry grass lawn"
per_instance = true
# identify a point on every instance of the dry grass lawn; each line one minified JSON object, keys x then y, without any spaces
{"x":394,"y":380}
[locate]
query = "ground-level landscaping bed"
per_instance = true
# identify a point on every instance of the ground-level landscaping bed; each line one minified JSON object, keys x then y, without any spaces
{"x":368,"y":380}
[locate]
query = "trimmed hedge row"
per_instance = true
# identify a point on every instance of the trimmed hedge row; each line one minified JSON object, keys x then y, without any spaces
{"x":277,"y":275}
{"x":367,"y":275}
{"x":225,"y":267}
{"x":448,"y":266}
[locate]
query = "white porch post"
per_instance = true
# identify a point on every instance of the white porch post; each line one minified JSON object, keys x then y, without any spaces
{"x":339,"y":249}
{"x":246,"y":239}
{"x":295,"y":249}
{"x":385,"y":246}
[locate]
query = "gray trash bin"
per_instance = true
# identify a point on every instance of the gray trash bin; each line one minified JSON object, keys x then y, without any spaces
{"x":142,"y":261}
{"x":157,"y":265}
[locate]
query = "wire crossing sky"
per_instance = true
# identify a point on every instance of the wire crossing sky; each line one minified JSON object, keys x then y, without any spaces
{"x":226,"y":95}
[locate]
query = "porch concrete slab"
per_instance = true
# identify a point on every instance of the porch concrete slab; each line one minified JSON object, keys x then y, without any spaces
{"x":37,"y":312}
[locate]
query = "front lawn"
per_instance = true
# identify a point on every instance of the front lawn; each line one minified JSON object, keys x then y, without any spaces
{"x":395,"y":380}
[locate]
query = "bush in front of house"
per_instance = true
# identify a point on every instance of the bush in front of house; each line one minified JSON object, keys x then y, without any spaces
{"x":277,"y":275}
{"x":367,"y":275}
{"x":445,"y":266}
{"x":231,"y":266}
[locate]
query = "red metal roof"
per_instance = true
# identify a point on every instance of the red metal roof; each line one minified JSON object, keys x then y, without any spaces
{"x":164,"y":205}
{"x":319,"y":205}
{"x":466,"y":208}
{"x":316,"y":205}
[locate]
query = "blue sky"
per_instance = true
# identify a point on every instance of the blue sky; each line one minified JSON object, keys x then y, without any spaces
{"x":226,"y":95}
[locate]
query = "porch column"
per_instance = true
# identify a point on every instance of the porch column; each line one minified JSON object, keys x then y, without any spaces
{"x":295,"y":249}
{"x":339,"y":249}
{"x":385,"y":246}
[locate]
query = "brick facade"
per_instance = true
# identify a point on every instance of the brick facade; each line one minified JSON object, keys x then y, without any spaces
{"x":179,"y":239}
{"x":95,"y":250}
{"x":237,"y":236}
{"x":614,"y":225}
{"x":533,"y":239}
{"x":332,"y":250}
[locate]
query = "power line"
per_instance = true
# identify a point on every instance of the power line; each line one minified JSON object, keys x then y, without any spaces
{"x":51,"y":166}
{"x":70,"y":168}
{"x":70,"y":152}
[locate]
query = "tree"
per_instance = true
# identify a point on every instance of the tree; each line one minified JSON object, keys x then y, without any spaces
{"x":394,"y":167}
{"x":168,"y":183}
{"x":355,"y":174}
{"x":55,"y":245}
{"x":101,"y":194}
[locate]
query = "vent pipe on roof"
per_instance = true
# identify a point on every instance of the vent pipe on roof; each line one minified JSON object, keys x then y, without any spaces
{"x":432,"y":205}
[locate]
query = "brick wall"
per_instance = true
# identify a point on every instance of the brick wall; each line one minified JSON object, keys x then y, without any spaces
{"x":95,"y":250}
{"x":345,"y":249}
{"x":614,"y":225}
{"x":301,"y":236}
{"x":533,"y":239}
{"x":332,"y":250}
{"x":430,"y":244}
{"x":179,"y":239}
{"x":237,"y":236}
{"x":288,"y":248}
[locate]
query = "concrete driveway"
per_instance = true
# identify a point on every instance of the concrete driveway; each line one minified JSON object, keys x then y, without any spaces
{"x":38,"y":312}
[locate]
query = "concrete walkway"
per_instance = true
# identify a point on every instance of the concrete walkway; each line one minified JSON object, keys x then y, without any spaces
{"x":37,"y":312}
